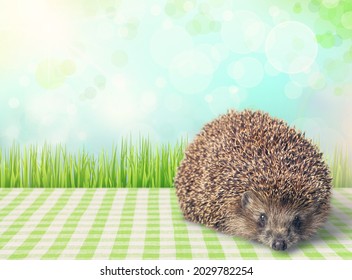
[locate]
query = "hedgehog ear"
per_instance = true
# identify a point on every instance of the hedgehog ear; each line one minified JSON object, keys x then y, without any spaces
{"x":246,"y":198}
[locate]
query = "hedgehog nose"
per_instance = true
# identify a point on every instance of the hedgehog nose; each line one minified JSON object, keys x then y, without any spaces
{"x":279,"y":245}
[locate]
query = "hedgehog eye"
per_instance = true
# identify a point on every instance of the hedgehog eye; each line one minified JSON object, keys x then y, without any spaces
{"x":262,"y":220}
{"x":297,"y":222}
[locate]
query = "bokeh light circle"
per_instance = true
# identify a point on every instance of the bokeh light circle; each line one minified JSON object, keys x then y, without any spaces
{"x":14,"y":103}
{"x":217,"y":53}
{"x":302,"y":78}
{"x":191,"y":72}
{"x":68,"y":67}
{"x":100,"y":81}
{"x":89,"y":93}
{"x":291,"y":47}
{"x":346,"y":20}
{"x":293,"y":90}
{"x":166,"y":43}
{"x":278,"y":15}
{"x":222,"y":99}
{"x":49,"y":74}
{"x":119,"y":58}
{"x":247,"y":72}
{"x":244,"y":32}
{"x":336,"y":70}
{"x":317,"y":81}
{"x":330,"y":3}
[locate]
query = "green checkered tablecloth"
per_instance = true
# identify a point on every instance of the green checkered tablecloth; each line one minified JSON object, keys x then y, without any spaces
{"x":140,"y":224}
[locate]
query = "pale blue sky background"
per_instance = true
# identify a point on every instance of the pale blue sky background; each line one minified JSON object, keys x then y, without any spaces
{"x":85,"y":74}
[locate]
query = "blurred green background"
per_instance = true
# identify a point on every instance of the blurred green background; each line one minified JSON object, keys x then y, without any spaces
{"x":86,"y":73}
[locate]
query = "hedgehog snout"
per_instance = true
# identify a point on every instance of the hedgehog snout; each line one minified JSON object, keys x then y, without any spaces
{"x":279,"y":244}
{"x":278,"y":238}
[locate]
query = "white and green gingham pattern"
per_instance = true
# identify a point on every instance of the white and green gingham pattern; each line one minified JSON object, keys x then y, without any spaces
{"x":140,"y":224}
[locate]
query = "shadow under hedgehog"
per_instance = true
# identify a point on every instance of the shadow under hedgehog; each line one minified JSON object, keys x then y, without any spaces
{"x":251,"y":175}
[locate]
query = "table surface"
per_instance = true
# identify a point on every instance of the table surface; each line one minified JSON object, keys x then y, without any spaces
{"x":140,"y":224}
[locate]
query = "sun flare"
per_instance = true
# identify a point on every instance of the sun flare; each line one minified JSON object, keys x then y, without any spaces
{"x":33,"y":26}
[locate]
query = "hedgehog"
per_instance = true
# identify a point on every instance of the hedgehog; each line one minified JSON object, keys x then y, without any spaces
{"x":251,"y":175}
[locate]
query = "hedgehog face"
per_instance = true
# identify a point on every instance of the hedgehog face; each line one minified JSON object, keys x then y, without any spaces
{"x":279,"y":223}
{"x":279,"y":231}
